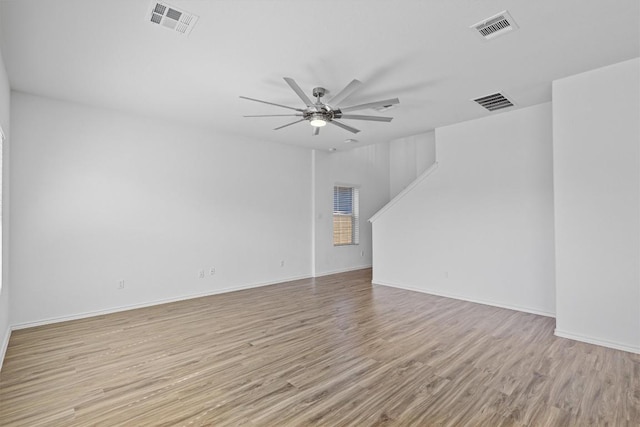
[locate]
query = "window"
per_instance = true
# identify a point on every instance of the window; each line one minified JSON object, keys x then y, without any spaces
{"x":346,"y":229}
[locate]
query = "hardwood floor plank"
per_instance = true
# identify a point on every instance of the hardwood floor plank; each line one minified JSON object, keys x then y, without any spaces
{"x":332,"y":351}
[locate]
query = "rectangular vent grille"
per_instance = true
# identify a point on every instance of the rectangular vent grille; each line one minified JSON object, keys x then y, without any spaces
{"x":495,"y":26}
{"x":170,"y":17}
{"x":495,"y":101}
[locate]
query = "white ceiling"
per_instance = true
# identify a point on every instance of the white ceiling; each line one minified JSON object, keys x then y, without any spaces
{"x":422,"y":51}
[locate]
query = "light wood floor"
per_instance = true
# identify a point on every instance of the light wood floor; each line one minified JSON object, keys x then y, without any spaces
{"x":332,"y":351}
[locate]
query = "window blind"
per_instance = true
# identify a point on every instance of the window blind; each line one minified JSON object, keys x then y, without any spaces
{"x":346,"y":224}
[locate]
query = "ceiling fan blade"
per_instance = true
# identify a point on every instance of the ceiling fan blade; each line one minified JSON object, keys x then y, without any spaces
{"x":316,"y":131}
{"x":289,"y":124}
{"x":345,"y":127}
{"x":275,"y":115}
{"x":384,"y":103}
{"x":272,"y":103}
{"x":299,"y":91}
{"x":346,"y":92}
{"x":360,"y":117}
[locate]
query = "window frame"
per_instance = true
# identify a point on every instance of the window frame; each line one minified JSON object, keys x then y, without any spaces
{"x":354,"y":214}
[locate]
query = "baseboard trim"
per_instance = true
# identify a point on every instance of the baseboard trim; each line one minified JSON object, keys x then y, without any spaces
{"x":596,"y":341}
{"x":88,"y":314}
{"x":463,"y":298}
{"x":343,"y":270}
{"x":5,"y":345}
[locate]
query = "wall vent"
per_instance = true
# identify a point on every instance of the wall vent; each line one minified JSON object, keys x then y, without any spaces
{"x":171,"y":17}
{"x":495,"y":26}
{"x":495,"y":101}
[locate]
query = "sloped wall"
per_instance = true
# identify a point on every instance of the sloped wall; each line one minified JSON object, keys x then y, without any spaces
{"x":480,"y":227}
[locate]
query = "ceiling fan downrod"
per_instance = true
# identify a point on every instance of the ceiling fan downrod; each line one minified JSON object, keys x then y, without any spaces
{"x":319,"y":92}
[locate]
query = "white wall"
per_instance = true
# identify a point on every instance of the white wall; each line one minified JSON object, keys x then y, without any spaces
{"x":365,"y":167}
{"x":596,"y":133}
{"x":480,"y":227}
{"x":408,"y":158}
{"x":5,"y":97}
{"x":101,"y":196}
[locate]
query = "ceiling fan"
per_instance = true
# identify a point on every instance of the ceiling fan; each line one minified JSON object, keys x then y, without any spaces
{"x":319,"y":113}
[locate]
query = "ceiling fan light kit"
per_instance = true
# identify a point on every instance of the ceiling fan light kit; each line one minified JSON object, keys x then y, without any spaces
{"x":317,"y":120}
{"x":319,"y":113}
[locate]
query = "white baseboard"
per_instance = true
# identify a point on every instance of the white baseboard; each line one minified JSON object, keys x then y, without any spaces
{"x":597,"y":341}
{"x":87,"y":314}
{"x":342,"y":270}
{"x":5,"y":345}
{"x":463,"y":298}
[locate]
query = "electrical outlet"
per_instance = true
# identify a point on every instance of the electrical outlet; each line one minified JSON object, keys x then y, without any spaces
{"x":361,"y":253}
{"x":201,"y":274}
{"x":212,"y":271}
{"x":121,"y":284}
{"x":282,"y":263}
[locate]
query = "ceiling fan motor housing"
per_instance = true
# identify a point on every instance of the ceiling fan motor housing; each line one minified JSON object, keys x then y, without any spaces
{"x":322,"y":113}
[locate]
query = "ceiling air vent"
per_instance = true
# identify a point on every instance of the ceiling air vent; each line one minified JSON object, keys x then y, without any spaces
{"x":495,"y":101}
{"x":171,"y":17}
{"x":495,"y":26}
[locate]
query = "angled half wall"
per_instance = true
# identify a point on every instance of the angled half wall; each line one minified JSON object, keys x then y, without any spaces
{"x":480,"y":226}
